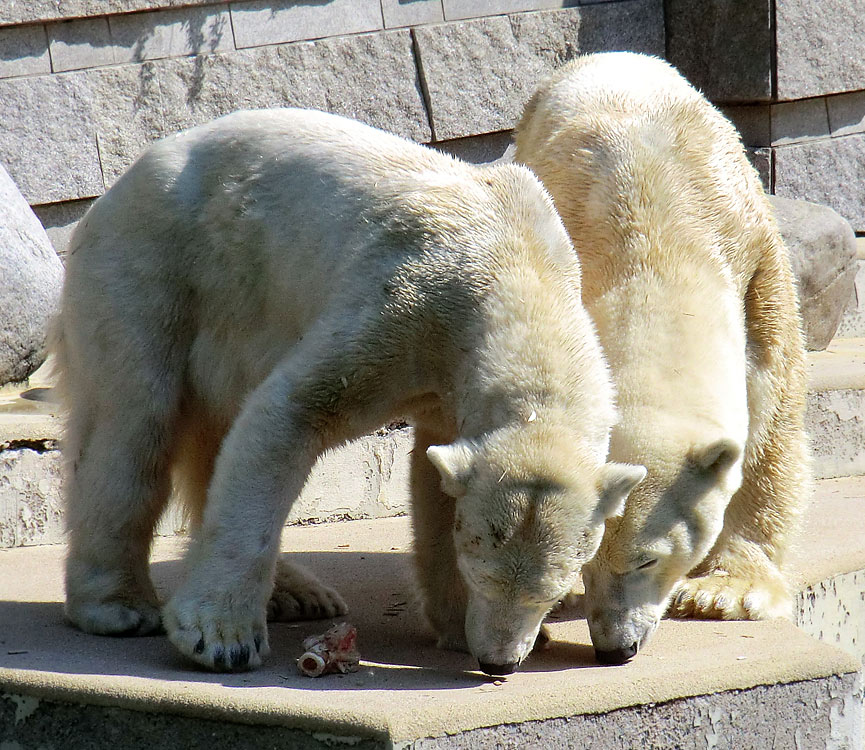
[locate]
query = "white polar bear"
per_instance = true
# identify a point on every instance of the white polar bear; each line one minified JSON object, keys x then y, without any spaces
{"x":258,"y":290}
{"x":689,"y":285}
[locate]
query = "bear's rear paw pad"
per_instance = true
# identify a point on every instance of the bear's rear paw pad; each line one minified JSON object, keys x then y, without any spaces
{"x":299,"y":595}
{"x":115,"y":618}
{"x":727,"y":597}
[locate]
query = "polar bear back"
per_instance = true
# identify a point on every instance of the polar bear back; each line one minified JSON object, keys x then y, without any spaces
{"x":617,"y":119}
{"x":250,"y":230}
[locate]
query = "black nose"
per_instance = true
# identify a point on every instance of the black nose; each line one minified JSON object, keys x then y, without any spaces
{"x":617,"y":656}
{"x":498,"y":669}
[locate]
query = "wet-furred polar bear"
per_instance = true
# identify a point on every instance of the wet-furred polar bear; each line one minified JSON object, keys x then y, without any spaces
{"x":257,"y":290}
{"x":689,"y":285}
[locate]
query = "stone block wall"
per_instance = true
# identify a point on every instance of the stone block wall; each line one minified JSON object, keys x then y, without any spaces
{"x":86,"y":84}
{"x":791,"y":75}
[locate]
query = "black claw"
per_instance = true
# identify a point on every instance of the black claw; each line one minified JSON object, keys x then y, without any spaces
{"x":199,"y":647}
{"x":219,"y":661}
{"x":257,"y":641}
{"x":239,"y":657}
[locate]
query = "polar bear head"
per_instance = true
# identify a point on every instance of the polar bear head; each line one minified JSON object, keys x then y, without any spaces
{"x":669,"y":524}
{"x":530,"y":511}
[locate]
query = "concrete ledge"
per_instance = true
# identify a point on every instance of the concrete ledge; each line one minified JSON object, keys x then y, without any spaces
{"x":406,"y":689}
{"x":835,"y":415}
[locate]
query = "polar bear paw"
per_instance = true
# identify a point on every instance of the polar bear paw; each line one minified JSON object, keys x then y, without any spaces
{"x":225,"y":632}
{"x":723,"y":596}
{"x":120,"y":618}
{"x":299,"y":595}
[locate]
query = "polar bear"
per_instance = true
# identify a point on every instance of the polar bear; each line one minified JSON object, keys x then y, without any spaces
{"x":689,"y":285}
{"x":258,"y":290}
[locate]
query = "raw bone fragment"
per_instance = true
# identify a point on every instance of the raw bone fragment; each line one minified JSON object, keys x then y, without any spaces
{"x":333,"y":651}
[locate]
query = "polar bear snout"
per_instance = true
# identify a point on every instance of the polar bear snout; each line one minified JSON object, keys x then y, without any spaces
{"x":618,"y":635}
{"x":498,"y":670}
{"x":617,"y":656}
{"x":501,"y":634}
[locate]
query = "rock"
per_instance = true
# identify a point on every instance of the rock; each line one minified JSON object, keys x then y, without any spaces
{"x":822,"y":249}
{"x":31,"y":276}
{"x":826,"y":171}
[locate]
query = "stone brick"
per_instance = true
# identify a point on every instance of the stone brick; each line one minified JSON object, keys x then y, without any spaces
{"x":24,"y":51}
{"x":820,"y":47}
{"x":402,"y":13}
{"x":74,"y":129}
{"x":793,"y":122}
{"x":480,"y":149}
{"x":460,"y":9}
{"x":149,"y":36}
{"x":723,"y":47}
{"x":754,"y":122}
{"x":761,"y":159}
{"x":370,"y":77}
{"x":78,"y":131}
{"x":479,"y":74}
{"x":27,"y":11}
{"x":51,"y":154}
{"x":60,"y":219}
{"x":80,"y":44}
{"x":846,"y":113}
{"x":825,"y":172}
{"x":267,"y":22}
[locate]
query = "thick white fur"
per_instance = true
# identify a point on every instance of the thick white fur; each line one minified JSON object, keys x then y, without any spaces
{"x":260,"y":289}
{"x":689,"y":285}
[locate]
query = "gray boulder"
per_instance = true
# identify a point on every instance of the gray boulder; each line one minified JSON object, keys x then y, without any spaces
{"x":31,"y":276}
{"x":822,"y":248}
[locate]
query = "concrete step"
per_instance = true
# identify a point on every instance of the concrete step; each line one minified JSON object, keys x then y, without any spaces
{"x":366,"y":479}
{"x":835,"y":417}
{"x":369,"y":478}
{"x":697,"y":684}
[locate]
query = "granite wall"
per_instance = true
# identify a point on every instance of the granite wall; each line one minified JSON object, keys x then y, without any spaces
{"x":85,"y":84}
{"x":791,"y":75}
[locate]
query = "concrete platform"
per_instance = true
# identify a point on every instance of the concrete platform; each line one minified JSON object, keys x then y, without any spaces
{"x":697,"y":684}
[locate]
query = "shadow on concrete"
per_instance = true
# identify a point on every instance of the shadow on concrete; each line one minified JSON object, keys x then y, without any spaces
{"x":397,"y":649}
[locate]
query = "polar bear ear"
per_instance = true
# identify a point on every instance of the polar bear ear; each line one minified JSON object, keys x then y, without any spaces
{"x":614,"y":485}
{"x":454,"y":462}
{"x":717,"y":456}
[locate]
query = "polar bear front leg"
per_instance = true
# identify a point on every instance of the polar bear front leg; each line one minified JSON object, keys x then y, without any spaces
{"x":442,"y":588}
{"x":218,"y":617}
{"x":742,"y":577}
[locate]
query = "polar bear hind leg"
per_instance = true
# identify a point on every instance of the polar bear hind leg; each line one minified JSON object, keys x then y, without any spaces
{"x":742,"y":577}
{"x":117,"y":447}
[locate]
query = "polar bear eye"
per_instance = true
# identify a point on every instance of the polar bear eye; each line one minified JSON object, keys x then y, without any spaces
{"x":648,"y":564}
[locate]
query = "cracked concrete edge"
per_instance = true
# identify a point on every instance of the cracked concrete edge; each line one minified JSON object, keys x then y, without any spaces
{"x":833,"y":609}
{"x":812,"y":713}
{"x":815,"y":712}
